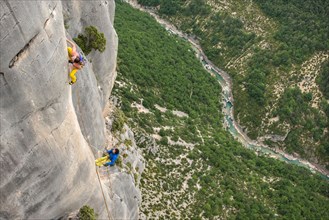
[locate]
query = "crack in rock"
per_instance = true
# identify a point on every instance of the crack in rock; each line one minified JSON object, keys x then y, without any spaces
{"x":15,"y":18}
{"x":55,"y":50}
{"x":20,"y":166}
{"x":50,"y":16}
{"x":3,"y":16}
{"x":3,"y":81}
{"x":25,"y":48}
{"x":48,"y":105}
{"x":5,"y":36}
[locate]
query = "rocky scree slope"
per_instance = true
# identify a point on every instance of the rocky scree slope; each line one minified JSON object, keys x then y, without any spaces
{"x":49,"y":130}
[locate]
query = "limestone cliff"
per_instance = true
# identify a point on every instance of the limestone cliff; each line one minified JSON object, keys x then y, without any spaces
{"x":49,"y":130}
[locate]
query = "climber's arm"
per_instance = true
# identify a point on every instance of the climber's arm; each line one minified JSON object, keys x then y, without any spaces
{"x":74,"y":48}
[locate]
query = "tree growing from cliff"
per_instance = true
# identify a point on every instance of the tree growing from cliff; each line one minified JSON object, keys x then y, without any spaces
{"x":87,"y":213}
{"x":92,"y":39}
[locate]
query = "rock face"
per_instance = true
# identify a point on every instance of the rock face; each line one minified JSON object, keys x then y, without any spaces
{"x":96,"y":80}
{"x":78,"y":15}
{"x":121,"y":180}
{"x":49,"y":130}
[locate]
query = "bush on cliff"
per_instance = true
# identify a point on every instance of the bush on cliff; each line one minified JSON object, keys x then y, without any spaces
{"x":119,"y":120}
{"x":87,"y":213}
{"x":91,"y":40}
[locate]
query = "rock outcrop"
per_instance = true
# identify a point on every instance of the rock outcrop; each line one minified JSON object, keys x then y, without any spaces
{"x":50,"y":130}
{"x":122,"y":179}
{"x":96,"y":80}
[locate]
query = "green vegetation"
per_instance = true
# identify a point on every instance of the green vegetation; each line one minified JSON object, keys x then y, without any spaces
{"x":136,"y":177}
{"x":323,"y":79}
{"x":87,"y":213}
{"x":217,"y":177}
{"x":149,"y":2}
{"x":221,"y":28}
{"x":129,"y":165}
{"x":261,"y":54}
{"x":119,"y":121}
{"x":293,"y":109}
{"x":92,"y":39}
{"x":119,"y":162}
{"x":303,"y":28}
{"x":128,"y":142}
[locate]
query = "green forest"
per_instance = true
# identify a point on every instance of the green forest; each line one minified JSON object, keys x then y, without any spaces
{"x":217,"y":178}
{"x":294,"y":110}
{"x":297,"y":31}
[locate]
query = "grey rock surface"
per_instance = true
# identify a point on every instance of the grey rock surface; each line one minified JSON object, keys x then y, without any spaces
{"x":96,"y":79}
{"x":126,"y":197}
{"x":149,"y":143}
{"x":122,"y":181}
{"x":100,"y":14}
{"x":48,"y":128}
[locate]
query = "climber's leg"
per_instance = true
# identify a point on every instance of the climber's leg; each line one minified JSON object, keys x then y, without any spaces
{"x":72,"y":75}
{"x":100,"y":161}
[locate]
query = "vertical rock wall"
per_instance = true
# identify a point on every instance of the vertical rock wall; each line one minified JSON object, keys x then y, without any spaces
{"x":95,"y":81}
{"x":122,"y":181}
{"x":47,"y":166}
{"x":80,"y":14}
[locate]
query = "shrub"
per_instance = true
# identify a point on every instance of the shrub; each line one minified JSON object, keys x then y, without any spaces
{"x":129,"y":165}
{"x":119,"y":162}
{"x":164,"y":141}
{"x":119,"y":121}
{"x":128,"y":142}
{"x":91,"y":40}
{"x":87,"y":213}
{"x":136,"y":177}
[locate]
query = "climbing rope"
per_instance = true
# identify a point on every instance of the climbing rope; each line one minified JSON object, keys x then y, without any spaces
{"x":107,"y":208}
{"x":99,"y":180}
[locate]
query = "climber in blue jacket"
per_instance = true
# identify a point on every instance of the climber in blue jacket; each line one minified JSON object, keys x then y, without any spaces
{"x":113,"y":156}
{"x":108,"y":160}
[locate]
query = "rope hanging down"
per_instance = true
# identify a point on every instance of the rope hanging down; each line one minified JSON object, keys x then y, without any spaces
{"x":107,"y":209}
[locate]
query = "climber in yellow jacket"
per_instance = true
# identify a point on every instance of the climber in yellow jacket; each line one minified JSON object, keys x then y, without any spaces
{"x":76,"y":59}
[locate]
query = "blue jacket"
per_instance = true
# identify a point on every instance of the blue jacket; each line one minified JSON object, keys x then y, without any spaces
{"x":113,"y":158}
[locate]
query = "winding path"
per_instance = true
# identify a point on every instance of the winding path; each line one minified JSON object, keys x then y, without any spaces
{"x":226,"y":83}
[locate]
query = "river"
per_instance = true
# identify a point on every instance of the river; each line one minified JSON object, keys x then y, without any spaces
{"x":228,"y":101}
